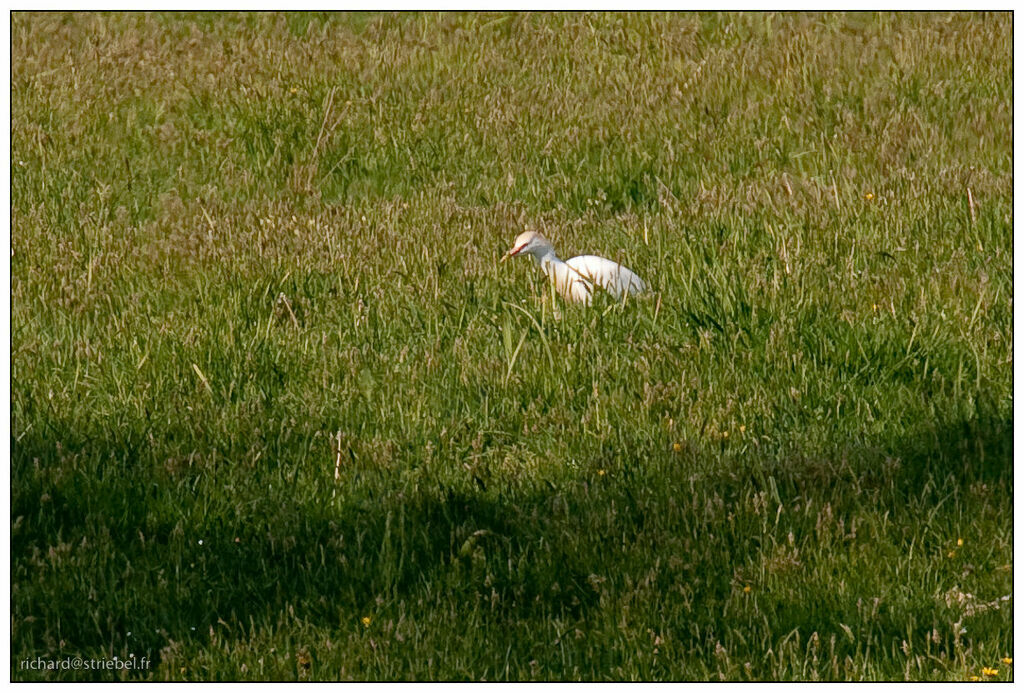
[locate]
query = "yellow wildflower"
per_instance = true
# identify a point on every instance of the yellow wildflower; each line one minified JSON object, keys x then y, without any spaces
{"x":746,"y":589}
{"x":743,"y":429}
{"x":959,"y":542}
{"x":988,"y":671}
{"x":600,"y":472}
{"x":677,"y":447}
{"x":975,"y":678}
{"x":1007,"y":660}
{"x":725,"y":434}
{"x":294,"y":90}
{"x":869,"y":196}
{"x":366,"y":621}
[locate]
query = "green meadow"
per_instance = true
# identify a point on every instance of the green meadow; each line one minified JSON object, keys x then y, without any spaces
{"x":278,"y":412}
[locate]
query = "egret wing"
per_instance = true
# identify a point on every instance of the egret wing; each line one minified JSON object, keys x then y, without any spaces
{"x":572,"y":284}
{"x":610,"y":276}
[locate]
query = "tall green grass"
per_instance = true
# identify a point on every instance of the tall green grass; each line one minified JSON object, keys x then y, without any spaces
{"x":278,"y":413}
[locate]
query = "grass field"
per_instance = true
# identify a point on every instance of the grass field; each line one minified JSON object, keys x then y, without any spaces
{"x":278,"y":413}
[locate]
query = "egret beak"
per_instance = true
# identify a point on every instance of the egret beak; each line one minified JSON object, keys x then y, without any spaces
{"x":512,"y":253}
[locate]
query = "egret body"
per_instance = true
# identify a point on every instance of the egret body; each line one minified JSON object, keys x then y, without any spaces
{"x":576,"y":277}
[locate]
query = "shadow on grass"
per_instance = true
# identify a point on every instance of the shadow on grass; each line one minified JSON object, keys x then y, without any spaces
{"x":113,"y":556}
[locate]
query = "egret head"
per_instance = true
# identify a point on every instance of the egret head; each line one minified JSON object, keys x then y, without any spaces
{"x":530,"y":243}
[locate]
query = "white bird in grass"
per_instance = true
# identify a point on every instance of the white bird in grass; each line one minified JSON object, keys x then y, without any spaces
{"x":575,"y":278}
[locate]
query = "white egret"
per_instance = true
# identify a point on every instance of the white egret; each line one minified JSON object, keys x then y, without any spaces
{"x":575,"y":278}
